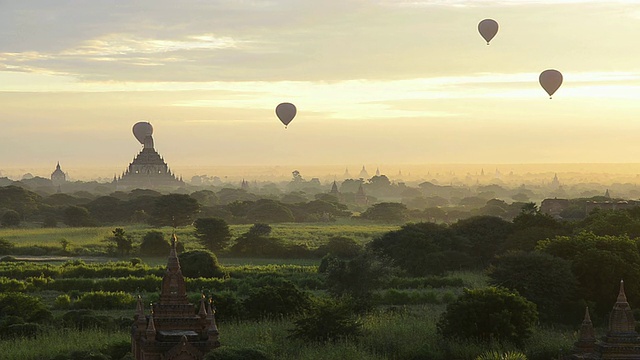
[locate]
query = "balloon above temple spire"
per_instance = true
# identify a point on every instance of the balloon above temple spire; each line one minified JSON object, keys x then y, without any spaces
{"x":141,"y":130}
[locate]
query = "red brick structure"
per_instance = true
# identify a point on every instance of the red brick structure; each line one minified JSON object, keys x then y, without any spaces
{"x":173,"y":330}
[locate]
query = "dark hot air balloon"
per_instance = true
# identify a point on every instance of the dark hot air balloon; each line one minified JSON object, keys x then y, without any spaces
{"x":141,"y":130}
{"x":286,"y":112}
{"x":488,"y":28}
{"x":550,"y":80}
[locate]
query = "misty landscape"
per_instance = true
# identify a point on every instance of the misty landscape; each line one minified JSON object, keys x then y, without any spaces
{"x":294,"y":179}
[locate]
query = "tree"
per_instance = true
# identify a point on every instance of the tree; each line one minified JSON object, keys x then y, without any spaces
{"x":543,"y":279}
{"x":599,"y":263}
{"x":270,"y":211}
{"x":154,"y":244}
{"x":486,"y":235}
{"x":342,"y":247}
{"x":257,"y":242}
{"x":277,"y":300}
{"x":174,"y":210}
{"x":387,"y":211}
{"x":423,"y":249}
{"x":77,"y":216}
{"x":10,"y":218}
{"x":356,"y":278}
{"x":200,"y":263}
{"x":213,"y":233}
{"x":489,"y":314}
{"x":122,"y":242}
{"x":327,"y":320}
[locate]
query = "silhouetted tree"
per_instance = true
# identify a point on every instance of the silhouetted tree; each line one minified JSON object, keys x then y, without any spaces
{"x":213,"y":233}
{"x":174,"y":210}
{"x":155,"y":244}
{"x":10,"y":218}
{"x":76,"y":216}
{"x":489,"y":314}
{"x":122,"y":242}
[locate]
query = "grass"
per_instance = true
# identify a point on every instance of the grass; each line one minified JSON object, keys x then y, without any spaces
{"x":51,"y":343}
{"x":312,"y":235}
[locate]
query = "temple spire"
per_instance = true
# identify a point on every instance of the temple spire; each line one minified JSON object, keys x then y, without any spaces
{"x":151,"y":329}
{"x":621,"y":319}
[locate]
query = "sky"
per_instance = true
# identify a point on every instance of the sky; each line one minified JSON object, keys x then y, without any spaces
{"x":374,"y":82}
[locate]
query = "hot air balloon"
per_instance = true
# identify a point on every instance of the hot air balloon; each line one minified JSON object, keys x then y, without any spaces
{"x":488,"y":28}
{"x":141,"y":130}
{"x":550,"y":80}
{"x":286,"y":112}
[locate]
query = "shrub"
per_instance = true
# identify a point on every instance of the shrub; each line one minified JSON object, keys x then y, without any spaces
{"x":327,"y":320}
{"x":29,"y":308}
{"x":276,"y":301}
{"x":62,"y":302}
{"x":490,"y":314}
{"x":342,"y":247}
{"x":544,"y":279}
{"x":105,"y":300}
{"x":10,"y":218}
{"x":154,"y":244}
{"x":6,"y":247}
{"x":213,"y":233}
{"x":200,"y":263}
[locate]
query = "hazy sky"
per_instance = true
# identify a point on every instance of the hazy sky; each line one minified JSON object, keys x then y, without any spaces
{"x":375,"y":81}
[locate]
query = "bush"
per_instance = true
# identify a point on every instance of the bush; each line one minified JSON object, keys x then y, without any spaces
{"x":342,"y":247}
{"x":105,"y":300}
{"x":490,"y":314}
{"x":327,"y":320}
{"x":6,"y":246}
{"x":543,"y":279}
{"x":62,"y":302}
{"x":280,"y":300}
{"x":29,"y":308}
{"x":213,"y":233}
{"x":154,"y":244}
{"x":200,"y":263}
{"x":10,"y":218}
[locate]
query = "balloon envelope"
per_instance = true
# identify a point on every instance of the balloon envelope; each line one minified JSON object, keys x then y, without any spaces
{"x":550,"y":80}
{"x":488,"y":28}
{"x":286,"y":112}
{"x":141,"y":130}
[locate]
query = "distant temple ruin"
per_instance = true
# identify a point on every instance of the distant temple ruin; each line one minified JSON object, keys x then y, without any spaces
{"x":148,"y":169}
{"x":58,"y":177}
{"x":173,"y":331}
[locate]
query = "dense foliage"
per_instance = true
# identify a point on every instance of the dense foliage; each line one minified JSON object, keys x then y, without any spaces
{"x":490,"y":314}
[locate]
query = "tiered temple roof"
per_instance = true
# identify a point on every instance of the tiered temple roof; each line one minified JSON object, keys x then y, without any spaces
{"x":173,"y":330}
{"x":148,"y":170}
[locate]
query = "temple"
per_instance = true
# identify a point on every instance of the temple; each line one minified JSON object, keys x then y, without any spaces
{"x":148,"y":170}
{"x":173,"y":331}
{"x":58,"y":177}
{"x":621,"y":342}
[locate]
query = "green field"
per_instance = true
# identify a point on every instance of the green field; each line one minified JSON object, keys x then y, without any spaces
{"x":311,"y":235}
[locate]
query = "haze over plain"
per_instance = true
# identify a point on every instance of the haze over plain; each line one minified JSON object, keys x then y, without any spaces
{"x":375,"y":82}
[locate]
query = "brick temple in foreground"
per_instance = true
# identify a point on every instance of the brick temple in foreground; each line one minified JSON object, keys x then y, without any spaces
{"x":173,"y":330}
{"x":621,"y":342}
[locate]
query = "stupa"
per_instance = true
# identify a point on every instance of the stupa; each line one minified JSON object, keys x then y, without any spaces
{"x":148,"y":170}
{"x":173,"y":331}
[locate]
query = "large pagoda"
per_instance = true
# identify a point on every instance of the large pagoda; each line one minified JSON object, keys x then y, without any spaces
{"x":148,"y":170}
{"x":173,"y":331}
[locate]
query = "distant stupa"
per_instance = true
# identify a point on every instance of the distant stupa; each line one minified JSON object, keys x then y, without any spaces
{"x":148,"y":169}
